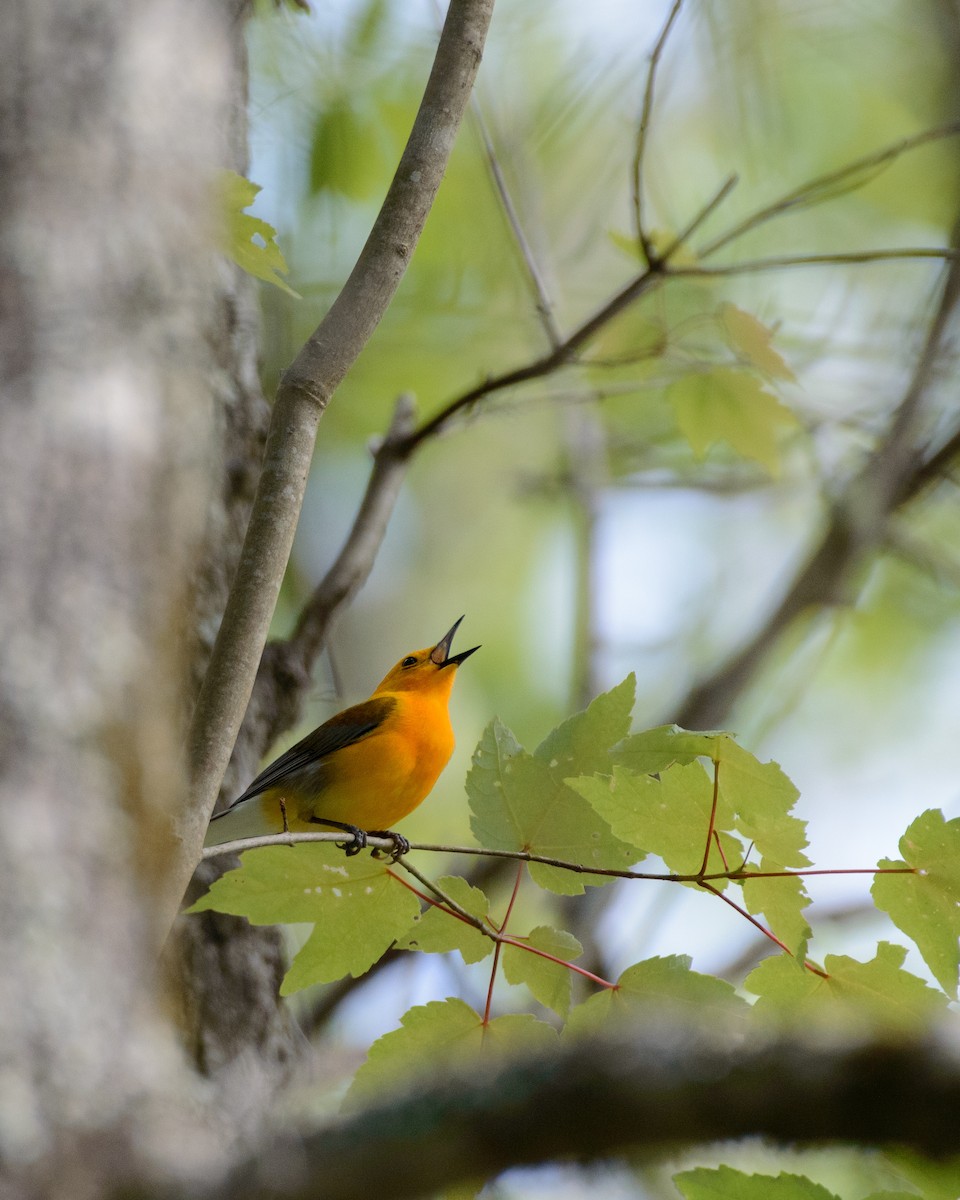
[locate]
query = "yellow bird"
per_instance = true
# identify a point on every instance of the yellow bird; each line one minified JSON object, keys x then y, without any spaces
{"x":366,"y":767}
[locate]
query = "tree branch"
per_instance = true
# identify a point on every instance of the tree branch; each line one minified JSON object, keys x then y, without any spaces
{"x":736,"y":874}
{"x":856,"y":527}
{"x":834,"y":183}
{"x":643,"y":235}
{"x":835,"y":258}
{"x":285,"y":668}
{"x":304,"y":391}
{"x":524,"y":249}
{"x":286,"y":665}
{"x":648,"y":1086}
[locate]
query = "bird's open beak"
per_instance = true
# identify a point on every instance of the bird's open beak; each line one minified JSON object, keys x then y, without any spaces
{"x":441,"y":655}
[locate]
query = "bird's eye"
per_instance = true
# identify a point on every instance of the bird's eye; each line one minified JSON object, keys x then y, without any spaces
{"x":409,"y":661}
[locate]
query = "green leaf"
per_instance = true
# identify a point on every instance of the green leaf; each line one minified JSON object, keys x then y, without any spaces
{"x":926,"y":905}
{"x":724,"y":1183}
{"x":518,"y":803}
{"x":345,"y":156}
{"x":751,"y":339}
{"x":368,"y":24}
{"x":666,"y":984}
{"x":727,"y":405}
{"x":758,"y":793}
{"x":581,"y":744}
{"x":438,"y":1037}
{"x":655,"y":749}
{"x":548,"y":981}
{"x":669,"y":817}
{"x":498,"y":815}
{"x":879,"y":992}
{"x":358,"y":907}
{"x":784,"y":988}
{"x":781,"y":901}
{"x":240,"y":230}
{"x":627,"y":243}
{"x":437,"y":932}
{"x":762,"y":796}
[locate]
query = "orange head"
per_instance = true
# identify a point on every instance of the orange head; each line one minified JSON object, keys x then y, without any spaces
{"x":430,"y":671}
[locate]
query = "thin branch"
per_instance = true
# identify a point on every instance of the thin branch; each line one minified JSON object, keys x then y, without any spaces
{"x":353,"y":564}
{"x":748,"y":916}
{"x":935,"y":467}
{"x":304,"y":391}
{"x":684,"y":236}
{"x":833,"y":183}
{"x":711,"y":824}
{"x":646,"y":112}
{"x":644,"y":282}
{"x":496,"y":953}
{"x":527,"y":856}
{"x":856,"y":528}
{"x":767,"y":932}
{"x":448,"y":901}
{"x":840,"y":258}
{"x":284,"y":661}
{"x":447,"y":904}
{"x":520,"y":944}
{"x":527,"y":258}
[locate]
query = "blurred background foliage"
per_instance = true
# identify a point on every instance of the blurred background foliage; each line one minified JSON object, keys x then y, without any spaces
{"x":570,"y":519}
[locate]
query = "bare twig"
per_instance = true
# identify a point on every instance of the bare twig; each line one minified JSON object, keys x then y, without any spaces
{"x":302,"y":396}
{"x":495,"y":933}
{"x":738,"y":874}
{"x":447,"y":901}
{"x":684,"y":236}
{"x":275,"y":704}
{"x":643,"y":234}
{"x":293,"y":661}
{"x":353,"y":563}
{"x":831,"y":184}
{"x":839,"y":258}
{"x":711,"y":824}
{"x":527,"y":258}
{"x":933,"y":469}
{"x":545,"y":365}
{"x":641,"y":284}
{"x":857,"y":526}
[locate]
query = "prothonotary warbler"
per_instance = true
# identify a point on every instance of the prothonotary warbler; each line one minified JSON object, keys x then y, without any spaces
{"x":365,"y":768}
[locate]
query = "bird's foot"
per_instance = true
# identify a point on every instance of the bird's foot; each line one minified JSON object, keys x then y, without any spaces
{"x":358,"y":837}
{"x":400,"y":844}
{"x":357,"y":843}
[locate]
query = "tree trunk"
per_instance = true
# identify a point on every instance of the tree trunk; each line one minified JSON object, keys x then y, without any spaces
{"x":112,"y":120}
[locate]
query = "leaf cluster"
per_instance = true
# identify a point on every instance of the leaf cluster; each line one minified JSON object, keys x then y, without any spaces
{"x":583,"y":809}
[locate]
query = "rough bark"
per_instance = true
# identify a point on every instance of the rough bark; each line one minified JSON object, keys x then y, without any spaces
{"x":226,"y":973}
{"x":110,"y":129}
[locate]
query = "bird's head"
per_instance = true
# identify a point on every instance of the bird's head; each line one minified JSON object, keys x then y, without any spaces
{"x":429,"y":670}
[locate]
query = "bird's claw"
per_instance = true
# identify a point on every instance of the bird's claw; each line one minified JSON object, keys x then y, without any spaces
{"x":358,"y":838}
{"x":400,"y":844}
{"x":357,"y":842}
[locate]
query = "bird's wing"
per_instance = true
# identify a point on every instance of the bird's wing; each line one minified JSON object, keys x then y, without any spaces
{"x":347,"y":727}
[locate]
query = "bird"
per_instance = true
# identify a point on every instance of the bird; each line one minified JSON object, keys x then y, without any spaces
{"x":366,"y":767}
